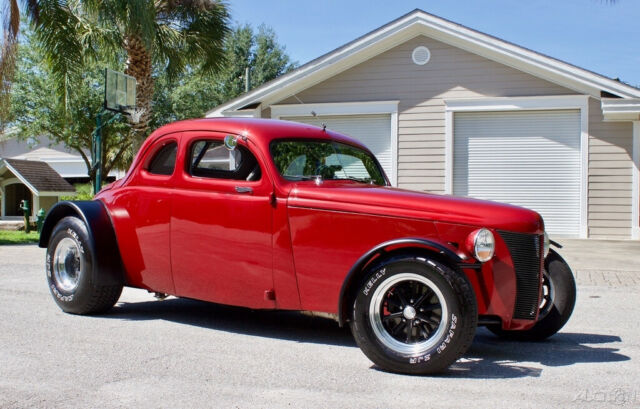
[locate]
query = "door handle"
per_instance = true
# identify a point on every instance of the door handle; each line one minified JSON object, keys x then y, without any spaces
{"x":244,"y":189}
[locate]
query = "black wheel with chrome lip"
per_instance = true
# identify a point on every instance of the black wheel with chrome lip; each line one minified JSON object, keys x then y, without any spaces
{"x":414,"y":315}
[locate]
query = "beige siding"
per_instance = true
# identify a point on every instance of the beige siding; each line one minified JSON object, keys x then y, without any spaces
{"x":451,"y":73}
{"x":610,"y":176}
{"x":47,"y":202}
{"x":455,"y":73}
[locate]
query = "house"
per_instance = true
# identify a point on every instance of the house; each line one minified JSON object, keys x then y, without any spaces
{"x":30,"y":180}
{"x":67,"y":162}
{"x":450,"y":110}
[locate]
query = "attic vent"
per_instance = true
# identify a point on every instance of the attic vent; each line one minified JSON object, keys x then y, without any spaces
{"x":421,"y":55}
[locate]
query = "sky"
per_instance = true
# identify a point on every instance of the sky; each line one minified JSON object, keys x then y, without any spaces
{"x":592,"y":34}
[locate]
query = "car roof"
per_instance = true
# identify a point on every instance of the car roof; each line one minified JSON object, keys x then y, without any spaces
{"x":260,"y":130}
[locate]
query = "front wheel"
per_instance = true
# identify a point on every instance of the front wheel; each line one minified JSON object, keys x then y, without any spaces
{"x":556,"y":305}
{"x":414,"y":315}
{"x":70,"y":271}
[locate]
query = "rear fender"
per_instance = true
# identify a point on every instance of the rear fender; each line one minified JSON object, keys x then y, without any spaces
{"x":108,"y":267}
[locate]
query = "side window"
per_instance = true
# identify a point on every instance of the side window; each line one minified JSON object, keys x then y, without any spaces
{"x":211,"y":159}
{"x":164,"y":161}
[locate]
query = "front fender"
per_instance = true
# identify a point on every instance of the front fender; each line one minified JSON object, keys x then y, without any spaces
{"x":441,"y":251}
{"x":108,"y":267}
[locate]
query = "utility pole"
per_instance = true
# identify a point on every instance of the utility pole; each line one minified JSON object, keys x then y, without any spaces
{"x":247,"y":80}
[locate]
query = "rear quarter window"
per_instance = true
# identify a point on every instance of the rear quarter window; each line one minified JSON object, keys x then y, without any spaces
{"x":163,"y":162}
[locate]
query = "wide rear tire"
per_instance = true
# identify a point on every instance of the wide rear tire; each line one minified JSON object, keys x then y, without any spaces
{"x":70,"y":271}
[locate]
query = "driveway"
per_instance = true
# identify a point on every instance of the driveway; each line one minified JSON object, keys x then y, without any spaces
{"x":181,"y":353}
{"x":603,"y":262}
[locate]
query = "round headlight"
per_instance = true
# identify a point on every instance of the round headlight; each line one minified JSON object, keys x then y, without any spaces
{"x":482,"y":243}
{"x":547,"y":244}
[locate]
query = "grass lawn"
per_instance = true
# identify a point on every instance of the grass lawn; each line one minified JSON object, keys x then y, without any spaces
{"x":18,"y":237}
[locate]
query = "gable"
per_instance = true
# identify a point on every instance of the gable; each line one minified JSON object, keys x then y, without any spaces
{"x":450,"y":73}
{"x":37,"y":176}
{"x":409,"y":26}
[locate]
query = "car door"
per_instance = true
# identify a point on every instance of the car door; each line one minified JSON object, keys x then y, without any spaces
{"x":142,"y":214}
{"x":221,"y":224}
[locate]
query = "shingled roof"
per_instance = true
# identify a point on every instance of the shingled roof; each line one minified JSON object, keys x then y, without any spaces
{"x":37,"y":175}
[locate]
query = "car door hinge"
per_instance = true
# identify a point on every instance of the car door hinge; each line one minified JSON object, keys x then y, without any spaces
{"x":274,"y":201}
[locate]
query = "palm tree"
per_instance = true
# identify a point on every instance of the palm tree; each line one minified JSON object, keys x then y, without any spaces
{"x":10,"y":28}
{"x":166,"y":35}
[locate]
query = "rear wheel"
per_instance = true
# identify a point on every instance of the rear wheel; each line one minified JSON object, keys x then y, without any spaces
{"x":70,"y":271}
{"x":556,"y":305}
{"x":414,"y":315}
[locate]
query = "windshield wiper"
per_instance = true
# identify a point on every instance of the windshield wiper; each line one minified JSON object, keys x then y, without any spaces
{"x":305,"y":177}
{"x":355,"y":179}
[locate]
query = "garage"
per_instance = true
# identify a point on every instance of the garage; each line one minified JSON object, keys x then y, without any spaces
{"x":372,"y":130}
{"x":450,"y":110}
{"x":527,"y":158}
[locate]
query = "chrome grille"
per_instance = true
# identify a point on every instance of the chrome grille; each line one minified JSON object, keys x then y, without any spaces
{"x":526,"y":253}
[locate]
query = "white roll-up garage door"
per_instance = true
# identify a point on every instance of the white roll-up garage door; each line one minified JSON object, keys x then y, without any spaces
{"x":527,"y":158}
{"x":374,"y":131}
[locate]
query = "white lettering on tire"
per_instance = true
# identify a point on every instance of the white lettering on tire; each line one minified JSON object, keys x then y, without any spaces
{"x":48,"y":265}
{"x":75,"y":236}
{"x":373,"y":280}
{"x":65,"y":298}
{"x":450,"y":335}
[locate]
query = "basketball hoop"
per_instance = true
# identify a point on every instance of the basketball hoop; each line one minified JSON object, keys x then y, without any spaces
{"x":120,"y":97}
{"x":134,"y":113}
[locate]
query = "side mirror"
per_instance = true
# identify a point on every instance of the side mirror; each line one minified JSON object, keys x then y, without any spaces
{"x":230,"y":142}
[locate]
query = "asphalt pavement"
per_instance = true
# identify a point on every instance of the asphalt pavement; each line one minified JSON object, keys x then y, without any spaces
{"x":180,"y":353}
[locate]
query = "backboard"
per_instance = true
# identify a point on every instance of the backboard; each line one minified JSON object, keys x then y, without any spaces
{"x":119,"y":91}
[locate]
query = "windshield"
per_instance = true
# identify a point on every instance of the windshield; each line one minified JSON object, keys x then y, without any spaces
{"x":308,"y":159}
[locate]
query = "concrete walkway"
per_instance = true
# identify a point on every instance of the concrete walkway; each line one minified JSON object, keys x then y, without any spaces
{"x":11,"y":224}
{"x":612,"y":263}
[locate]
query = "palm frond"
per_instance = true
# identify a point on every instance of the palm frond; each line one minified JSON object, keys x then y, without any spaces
{"x":200,"y":27}
{"x":58,"y":34}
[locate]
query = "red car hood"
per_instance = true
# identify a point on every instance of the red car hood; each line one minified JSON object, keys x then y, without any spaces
{"x":393,"y":202}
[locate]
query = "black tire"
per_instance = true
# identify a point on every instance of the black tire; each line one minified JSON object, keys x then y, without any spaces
{"x":414,"y":315}
{"x":559,"y":298}
{"x":70,"y":271}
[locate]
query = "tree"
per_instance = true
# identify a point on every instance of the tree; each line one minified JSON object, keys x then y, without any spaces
{"x":11,"y":27}
{"x":170,"y":34}
{"x":260,"y":52}
{"x":37,"y":110}
{"x":193,"y":94}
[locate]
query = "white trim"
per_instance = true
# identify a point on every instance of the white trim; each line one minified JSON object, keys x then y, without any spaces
{"x":35,"y":207}
{"x":349,"y":108}
{"x":10,"y":181}
{"x":18,"y":176}
{"x":616,"y":109}
{"x":242,"y":113}
{"x":580,"y":102}
{"x":635,"y":188}
{"x":584,"y":183}
{"x":419,"y":23}
{"x":448,"y":151}
{"x":2,"y":202}
{"x":517,"y":103}
{"x":337,"y":108}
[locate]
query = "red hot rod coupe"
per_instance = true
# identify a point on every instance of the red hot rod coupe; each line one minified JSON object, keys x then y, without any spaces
{"x":270,"y":214}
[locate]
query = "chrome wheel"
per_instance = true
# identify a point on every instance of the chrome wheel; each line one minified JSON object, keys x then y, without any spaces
{"x":408,"y":313}
{"x":67,"y":264}
{"x":546,"y":301}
